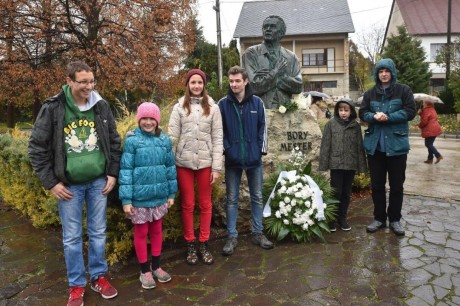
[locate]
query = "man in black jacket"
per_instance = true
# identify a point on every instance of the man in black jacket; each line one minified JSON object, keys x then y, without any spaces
{"x":75,"y":151}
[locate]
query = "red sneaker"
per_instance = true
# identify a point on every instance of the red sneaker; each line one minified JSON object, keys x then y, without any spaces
{"x":76,"y":296}
{"x":103,"y":286}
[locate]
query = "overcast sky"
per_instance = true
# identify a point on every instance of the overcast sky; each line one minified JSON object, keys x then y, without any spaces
{"x":365,"y":14}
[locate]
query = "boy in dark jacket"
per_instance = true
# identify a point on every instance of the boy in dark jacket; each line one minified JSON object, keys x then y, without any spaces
{"x":342,"y":153}
{"x":245,"y":141}
{"x":75,"y":151}
{"x":387,"y":108}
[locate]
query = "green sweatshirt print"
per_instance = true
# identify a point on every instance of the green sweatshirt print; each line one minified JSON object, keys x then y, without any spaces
{"x":85,"y":158}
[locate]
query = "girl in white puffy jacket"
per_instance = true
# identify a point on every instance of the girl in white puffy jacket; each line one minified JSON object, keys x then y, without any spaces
{"x":195,"y":127}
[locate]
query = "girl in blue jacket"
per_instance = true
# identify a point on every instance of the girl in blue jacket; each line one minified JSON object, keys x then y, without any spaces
{"x":147,"y":188}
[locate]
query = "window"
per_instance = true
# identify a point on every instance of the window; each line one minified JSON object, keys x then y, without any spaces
{"x":314,"y":57}
{"x":318,"y":86}
{"x":330,"y":84}
{"x":434,"y":49}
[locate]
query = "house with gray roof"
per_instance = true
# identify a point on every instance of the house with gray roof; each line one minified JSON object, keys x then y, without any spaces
{"x":427,"y":21}
{"x":317,"y":32}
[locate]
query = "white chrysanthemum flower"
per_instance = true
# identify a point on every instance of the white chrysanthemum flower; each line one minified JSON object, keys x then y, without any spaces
{"x":286,"y":221}
{"x":287,"y":200}
{"x":282,"y":109}
{"x":278,"y":214}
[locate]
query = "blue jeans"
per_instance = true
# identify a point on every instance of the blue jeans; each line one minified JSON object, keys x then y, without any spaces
{"x":71,"y":213}
{"x":429,"y":141}
{"x":232,"y":181}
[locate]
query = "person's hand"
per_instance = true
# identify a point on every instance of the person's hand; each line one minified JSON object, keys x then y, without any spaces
{"x":128,"y":209}
{"x":109,"y":185}
{"x":61,"y":192}
{"x":419,"y":111}
{"x":170,"y":203}
{"x":214,"y":177}
{"x":379,"y":116}
{"x":281,"y":64}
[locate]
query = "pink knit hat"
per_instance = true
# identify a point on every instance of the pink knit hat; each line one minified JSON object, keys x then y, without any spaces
{"x":148,"y":110}
{"x":193,"y":72}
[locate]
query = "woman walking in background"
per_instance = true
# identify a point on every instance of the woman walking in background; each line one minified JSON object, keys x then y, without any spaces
{"x":431,"y":128}
{"x":195,"y":128}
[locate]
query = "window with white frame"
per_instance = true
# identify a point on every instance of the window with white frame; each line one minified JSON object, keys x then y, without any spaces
{"x":434,"y":50}
{"x":314,"y":57}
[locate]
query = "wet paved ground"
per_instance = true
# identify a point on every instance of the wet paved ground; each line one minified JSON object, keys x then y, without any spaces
{"x":352,"y":268}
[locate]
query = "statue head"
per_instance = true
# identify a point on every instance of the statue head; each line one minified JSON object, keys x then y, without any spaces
{"x":273,"y":28}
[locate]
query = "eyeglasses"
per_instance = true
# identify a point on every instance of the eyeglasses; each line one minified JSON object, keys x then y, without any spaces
{"x":85,"y":82}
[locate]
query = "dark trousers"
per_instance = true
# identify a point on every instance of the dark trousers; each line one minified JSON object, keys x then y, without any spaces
{"x":395,"y":166}
{"x":341,"y":181}
{"x":429,"y":141}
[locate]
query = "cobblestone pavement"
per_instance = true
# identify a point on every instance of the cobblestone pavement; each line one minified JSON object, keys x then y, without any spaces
{"x":351,"y":268}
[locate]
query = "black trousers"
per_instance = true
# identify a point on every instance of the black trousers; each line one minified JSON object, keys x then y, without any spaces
{"x":341,"y":181}
{"x":380,"y":166}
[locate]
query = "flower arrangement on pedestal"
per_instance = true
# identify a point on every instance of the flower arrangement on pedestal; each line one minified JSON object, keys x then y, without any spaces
{"x":299,"y":203}
{"x":298,"y":102}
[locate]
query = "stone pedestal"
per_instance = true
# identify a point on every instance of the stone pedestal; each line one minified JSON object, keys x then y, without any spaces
{"x":285,"y":132}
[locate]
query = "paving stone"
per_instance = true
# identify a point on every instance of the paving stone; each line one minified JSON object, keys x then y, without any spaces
{"x":444,"y":281}
{"x":440,"y":292}
{"x":410,"y":252}
{"x":453,"y":244}
{"x":416,"y":301}
{"x":412,"y":263}
{"x":433,"y":268}
{"x":417,"y":277}
{"x":449,"y":269}
{"x":425,"y":293}
{"x":436,"y":237}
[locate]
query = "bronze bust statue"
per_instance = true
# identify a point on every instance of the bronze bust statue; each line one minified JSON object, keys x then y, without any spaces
{"x":274,"y":72}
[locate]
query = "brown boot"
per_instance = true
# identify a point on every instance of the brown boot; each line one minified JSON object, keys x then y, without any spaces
{"x":438,"y":159}
{"x":428,"y":161}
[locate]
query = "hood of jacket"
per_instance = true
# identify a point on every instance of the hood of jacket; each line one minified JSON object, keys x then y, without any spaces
{"x":353,"y":114}
{"x":248,"y":93}
{"x":388,"y":64}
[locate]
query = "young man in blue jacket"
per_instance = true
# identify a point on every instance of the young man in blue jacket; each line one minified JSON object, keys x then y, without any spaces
{"x":387,"y":108}
{"x":245,"y":141}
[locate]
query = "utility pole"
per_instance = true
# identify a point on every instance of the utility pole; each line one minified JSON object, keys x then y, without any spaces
{"x":448,"y":53}
{"x":219,"y":42}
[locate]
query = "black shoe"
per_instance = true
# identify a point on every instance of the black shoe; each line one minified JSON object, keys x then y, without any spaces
{"x":344,"y":226}
{"x":230,"y":245}
{"x":375,"y":226}
{"x":397,"y":228}
{"x":332,"y":227}
{"x":262,"y":241}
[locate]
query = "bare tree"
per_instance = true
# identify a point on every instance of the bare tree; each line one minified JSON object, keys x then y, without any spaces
{"x":371,"y":42}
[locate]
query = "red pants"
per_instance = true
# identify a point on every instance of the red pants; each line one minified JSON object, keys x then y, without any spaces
{"x":186,"y":179}
{"x":140,"y":239}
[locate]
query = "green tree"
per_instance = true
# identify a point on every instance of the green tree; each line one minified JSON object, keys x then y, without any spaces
{"x":410,"y":60}
{"x":360,"y":69}
{"x":452,"y":91}
{"x":204,"y":56}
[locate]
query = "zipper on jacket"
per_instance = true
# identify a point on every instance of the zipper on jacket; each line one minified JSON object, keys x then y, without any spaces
{"x":239,"y":114}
